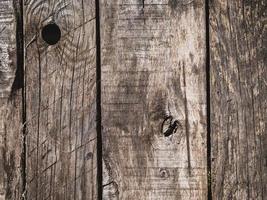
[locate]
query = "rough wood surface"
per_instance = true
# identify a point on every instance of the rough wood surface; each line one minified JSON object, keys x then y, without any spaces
{"x":10,"y":106}
{"x":239,"y":99}
{"x":60,"y":95}
{"x":153,"y":66}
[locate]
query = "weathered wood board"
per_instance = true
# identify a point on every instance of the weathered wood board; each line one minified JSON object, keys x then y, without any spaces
{"x":153,"y":66}
{"x":60,"y":95}
{"x":153,"y":58}
{"x":238,"y":40}
{"x":10,"y":105}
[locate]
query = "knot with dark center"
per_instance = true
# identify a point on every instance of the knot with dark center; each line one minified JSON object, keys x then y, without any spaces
{"x":169,"y":126}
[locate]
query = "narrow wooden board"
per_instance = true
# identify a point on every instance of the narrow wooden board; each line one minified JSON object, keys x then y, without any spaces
{"x":153,"y":66}
{"x":239,"y":99}
{"x":10,"y":105}
{"x":60,"y":94}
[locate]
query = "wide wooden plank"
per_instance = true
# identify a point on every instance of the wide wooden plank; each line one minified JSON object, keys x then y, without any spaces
{"x":153,"y":66}
{"x":60,"y":92}
{"x":239,"y":99}
{"x":10,"y":103}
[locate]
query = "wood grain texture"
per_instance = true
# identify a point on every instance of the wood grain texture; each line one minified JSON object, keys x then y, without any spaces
{"x":10,"y":149}
{"x":10,"y":106}
{"x":238,"y":99}
{"x":153,"y":66}
{"x":7,"y":47}
{"x":60,"y":94}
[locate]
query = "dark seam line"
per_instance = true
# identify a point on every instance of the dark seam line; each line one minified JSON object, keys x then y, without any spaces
{"x":208,"y":101}
{"x":19,"y":83}
{"x":98,"y":103}
{"x":24,"y":116}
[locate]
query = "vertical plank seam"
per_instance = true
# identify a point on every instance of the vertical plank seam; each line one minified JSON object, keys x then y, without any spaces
{"x":98,"y":103}
{"x":208,"y":106}
{"x":18,"y":80}
{"x":19,"y":83}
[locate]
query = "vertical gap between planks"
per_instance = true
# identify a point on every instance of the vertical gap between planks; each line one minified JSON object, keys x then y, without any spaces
{"x":208,"y":102}
{"x":19,"y":83}
{"x":98,"y":103}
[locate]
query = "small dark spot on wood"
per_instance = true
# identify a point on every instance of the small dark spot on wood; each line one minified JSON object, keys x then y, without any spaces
{"x":51,"y":33}
{"x":191,"y":57}
{"x":89,"y":156}
{"x":164,"y":173}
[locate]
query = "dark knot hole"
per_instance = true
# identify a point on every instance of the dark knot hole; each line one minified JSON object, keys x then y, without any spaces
{"x":169,"y":126}
{"x":51,"y":33}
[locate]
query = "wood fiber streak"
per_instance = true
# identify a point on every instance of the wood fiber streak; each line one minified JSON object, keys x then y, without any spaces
{"x":7,"y":47}
{"x":238,"y":99}
{"x":153,"y":66}
{"x":10,"y":108}
{"x":10,"y":148}
{"x":60,"y":92}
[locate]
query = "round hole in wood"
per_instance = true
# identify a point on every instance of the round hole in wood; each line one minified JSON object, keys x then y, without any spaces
{"x":51,"y":33}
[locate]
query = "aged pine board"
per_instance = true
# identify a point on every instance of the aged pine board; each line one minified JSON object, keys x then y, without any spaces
{"x":153,"y":66}
{"x":10,"y":105}
{"x":238,"y":40}
{"x":60,"y":95}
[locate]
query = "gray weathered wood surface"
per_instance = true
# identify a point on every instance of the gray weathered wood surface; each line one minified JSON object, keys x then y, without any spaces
{"x":60,"y":95}
{"x":153,"y":66}
{"x":153,"y":58}
{"x":239,"y":99}
{"x":10,"y":106}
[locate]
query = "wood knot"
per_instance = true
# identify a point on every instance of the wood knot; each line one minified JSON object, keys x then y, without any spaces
{"x":89,"y":156}
{"x":164,"y":173}
{"x":51,"y":33}
{"x":169,"y":126}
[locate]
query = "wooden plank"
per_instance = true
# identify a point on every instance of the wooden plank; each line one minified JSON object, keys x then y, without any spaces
{"x":60,"y":89}
{"x":153,"y":66}
{"x":239,"y":99}
{"x":10,"y":103}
